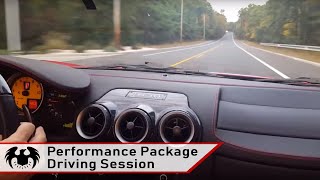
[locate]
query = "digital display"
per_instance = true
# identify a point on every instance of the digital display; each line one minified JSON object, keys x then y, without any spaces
{"x":32,"y":104}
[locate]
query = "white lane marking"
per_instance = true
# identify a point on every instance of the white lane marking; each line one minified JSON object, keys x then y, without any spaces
{"x":262,"y":62}
{"x":283,"y":55}
{"x":193,"y":47}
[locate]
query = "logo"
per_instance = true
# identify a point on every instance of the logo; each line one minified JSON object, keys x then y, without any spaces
{"x":24,"y":160}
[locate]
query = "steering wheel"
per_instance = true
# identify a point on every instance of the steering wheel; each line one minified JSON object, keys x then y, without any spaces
{"x":9,"y":120}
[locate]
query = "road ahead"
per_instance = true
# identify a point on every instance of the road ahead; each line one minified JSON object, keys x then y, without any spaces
{"x":225,"y":56}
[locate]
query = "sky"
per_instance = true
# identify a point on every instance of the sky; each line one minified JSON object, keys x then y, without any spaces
{"x":232,"y":7}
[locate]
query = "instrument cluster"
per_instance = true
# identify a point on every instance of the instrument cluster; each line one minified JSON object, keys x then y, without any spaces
{"x":26,"y":91}
{"x":50,"y":108}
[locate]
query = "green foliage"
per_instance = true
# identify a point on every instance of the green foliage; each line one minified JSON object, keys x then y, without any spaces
{"x":54,"y":40}
{"x":41,"y":49}
{"x":110,"y":48}
{"x":57,"y":24}
{"x":92,"y":45}
{"x":231,"y":26}
{"x":158,"y":21}
{"x":79,"y":48}
{"x":286,"y":21}
{"x":3,"y":52}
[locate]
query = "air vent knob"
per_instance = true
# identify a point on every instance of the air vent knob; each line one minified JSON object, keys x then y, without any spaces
{"x":177,"y":131}
{"x":130,"y":125}
{"x":91,"y":121}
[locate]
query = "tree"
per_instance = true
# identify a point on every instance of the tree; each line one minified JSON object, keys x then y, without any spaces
{"x":286,"y":21}
{"x":59,"y":23}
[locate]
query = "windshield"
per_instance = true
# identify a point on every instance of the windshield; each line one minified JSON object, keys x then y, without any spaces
{"x":265,"y":38}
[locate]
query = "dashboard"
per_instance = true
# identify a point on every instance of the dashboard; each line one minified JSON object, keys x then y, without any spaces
{"x":271,"y":128}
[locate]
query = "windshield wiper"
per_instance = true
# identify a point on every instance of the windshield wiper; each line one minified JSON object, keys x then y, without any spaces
{"x":147,"y":68}
{"x":301,"y":81}
{"x":133,"y":68}
{"x":169,"y":70}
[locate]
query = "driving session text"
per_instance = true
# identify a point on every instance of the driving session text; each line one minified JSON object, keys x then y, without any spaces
{"x":131,"y":158}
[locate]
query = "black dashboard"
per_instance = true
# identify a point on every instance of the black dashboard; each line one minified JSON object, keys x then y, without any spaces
{"x":271,"y":128}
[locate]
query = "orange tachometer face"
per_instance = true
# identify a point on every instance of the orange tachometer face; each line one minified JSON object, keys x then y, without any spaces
{"x":27,"y":91}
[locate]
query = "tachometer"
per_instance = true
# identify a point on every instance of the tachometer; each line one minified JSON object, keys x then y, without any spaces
{"x":27,"y":91}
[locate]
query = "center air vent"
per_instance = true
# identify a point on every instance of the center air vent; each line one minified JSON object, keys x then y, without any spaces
{"x":93,"y":121}
{"x":132,"y":125}
{"x":178,"y":126}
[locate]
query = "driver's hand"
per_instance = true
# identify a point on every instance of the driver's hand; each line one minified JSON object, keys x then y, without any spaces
{"x":24,"y":134}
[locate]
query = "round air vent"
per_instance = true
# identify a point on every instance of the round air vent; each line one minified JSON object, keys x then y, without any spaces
{"x":178,"y":126}
{"x":93,"y":121}
{"x":132,"y":125}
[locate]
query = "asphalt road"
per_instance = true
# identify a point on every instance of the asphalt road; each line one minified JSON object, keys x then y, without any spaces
{"x":226,"y":55}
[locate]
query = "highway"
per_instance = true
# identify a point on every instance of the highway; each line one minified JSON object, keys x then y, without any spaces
{"x":225,"y":55}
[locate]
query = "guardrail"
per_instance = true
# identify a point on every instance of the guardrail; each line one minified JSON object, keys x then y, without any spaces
{"x":290,"y":46}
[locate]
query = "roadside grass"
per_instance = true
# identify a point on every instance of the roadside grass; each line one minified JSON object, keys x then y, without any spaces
{"x":110,"y":48}
{"x":43,"y":49}
{"x":175,"y":44}
{"x":3,"y":52}
{"x":303,"y":54}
